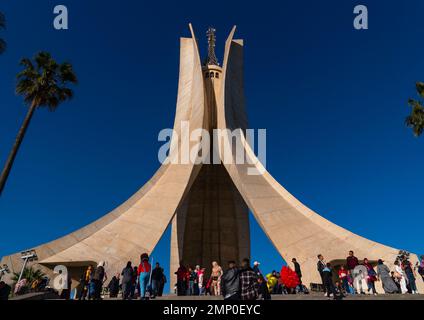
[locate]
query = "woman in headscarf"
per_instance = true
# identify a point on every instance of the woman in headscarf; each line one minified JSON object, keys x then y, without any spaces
{"x":372,"y":276}
{"x":383,"y":274}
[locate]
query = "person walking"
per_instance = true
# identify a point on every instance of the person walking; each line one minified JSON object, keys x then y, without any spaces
{"x":134,"y":283}
{"x":400,"y":275}
{"x":298,"y":272}
{"x":143,"y":274}
{"x":191,"y":278}
{"x":157,"y":278}
{"x":248,"y":282}
{"x":410,"y":275}
{"x":327,"y":274}
{"x":321,"y":264}
{"x":371,"y":276}
{"x":216,"y":279}
{"x":383,"y":274}
{"x":127,"y":278}
{"x":230,"y":282}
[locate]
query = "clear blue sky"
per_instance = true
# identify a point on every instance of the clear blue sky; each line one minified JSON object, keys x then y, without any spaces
{"x":333,"y":101}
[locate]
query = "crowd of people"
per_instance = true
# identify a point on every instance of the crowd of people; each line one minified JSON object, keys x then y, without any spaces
{"x":246,"y":282}
{"x":359,"y":278}
{"x":133,"y":282}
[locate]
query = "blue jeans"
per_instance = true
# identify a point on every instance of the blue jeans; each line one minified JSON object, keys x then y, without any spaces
{"x":144,"y":279}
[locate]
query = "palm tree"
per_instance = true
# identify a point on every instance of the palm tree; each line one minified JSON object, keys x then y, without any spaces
{"x":416,"y":119}
{"x":2,"y":26}
{"x":42,"y":83}
{"x":29,"y":274}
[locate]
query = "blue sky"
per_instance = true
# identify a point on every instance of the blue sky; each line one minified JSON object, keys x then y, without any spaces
{"x":333,"y":101}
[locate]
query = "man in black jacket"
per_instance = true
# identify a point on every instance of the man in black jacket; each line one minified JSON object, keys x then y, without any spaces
{"x":320,"y":267}
{"x":298,"y":272}
{"x":230,"y":282}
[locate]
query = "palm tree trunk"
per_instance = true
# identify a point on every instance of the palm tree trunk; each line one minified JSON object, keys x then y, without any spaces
{"x":18,"y":141}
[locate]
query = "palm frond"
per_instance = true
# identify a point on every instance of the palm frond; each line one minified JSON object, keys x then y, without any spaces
{"x":45,"y":81}
{"x":420,"y":88}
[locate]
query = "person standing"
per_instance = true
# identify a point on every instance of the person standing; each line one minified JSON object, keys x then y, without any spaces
{"x":351,"y":261}
{"x":157,"y":278}
{"x":327,"y":274}
{"x":201,"y":281}
{"x":248,"y":282}
{"x":98,"y":279}
{"x":298,"y":272}
{"x":181,"y":280}
{"x":383,"y":274}
{"x":216,"y":279}
{"x":400,"y":275}
{"x":343,"y":279}
{"x":5,"y":290}
{"x":410,"y":275}
{"x":230,"y":282}
{"x":321,"y":264}
{"x":113,"y":286}
{"x":127,"y":278}
{"x":192,"y":281}
{"x":256,"y":265}
{"x":371,"y":276}
{"x":263,"y":289}
{"x":85,"y":282}
{"x":143,"y":274}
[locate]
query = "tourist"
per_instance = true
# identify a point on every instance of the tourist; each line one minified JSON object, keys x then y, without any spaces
{"x":143,"y":272}
{"x":298,"y":272}
{"x":98,"y":279}
{"x":343,"y":279}
{"x":230,"y":282}
{"x":421,"y":268}
{"x":216,"y":279}
{"x":113,"y":286}
{"x":256,"y":265}
{"x":4,"y":291}
{"x":134,"y":283}
{"x":321,"y":264}
{"x":157,"y":278}
{"x":162,"y":284}
{"x":127,"y":278}
{"x":191,"y":278}
{"x":263,"y":289}
{"x":196,"y":280}
{"x":327,"y":274}
{"x":201,"y":281}
{"x":371,"y":277}
{"x":383,"y":274}
{"x":248,"y":282}
{"x":84,"y":283}
{"x":351,"y":261}
{"x":272,"y":281}
{"x":350,"y":282}
{"x":410,"y":275}
{"x":400,"y":276}
{"x":181,"y":280}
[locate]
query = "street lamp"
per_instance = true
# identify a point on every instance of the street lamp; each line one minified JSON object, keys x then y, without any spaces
{"x":29,"y":255}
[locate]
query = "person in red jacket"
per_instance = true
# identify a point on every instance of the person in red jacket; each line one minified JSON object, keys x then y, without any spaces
{"x":143,"y":272}
{"x":181,"y":280}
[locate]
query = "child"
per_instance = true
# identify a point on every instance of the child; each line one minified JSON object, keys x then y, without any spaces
{"x":263,"y":289}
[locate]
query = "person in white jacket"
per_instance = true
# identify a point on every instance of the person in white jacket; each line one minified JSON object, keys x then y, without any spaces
{"x":400,"y":274}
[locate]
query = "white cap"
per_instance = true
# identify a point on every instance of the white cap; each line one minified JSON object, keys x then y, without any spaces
{"x":256,"y":263}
